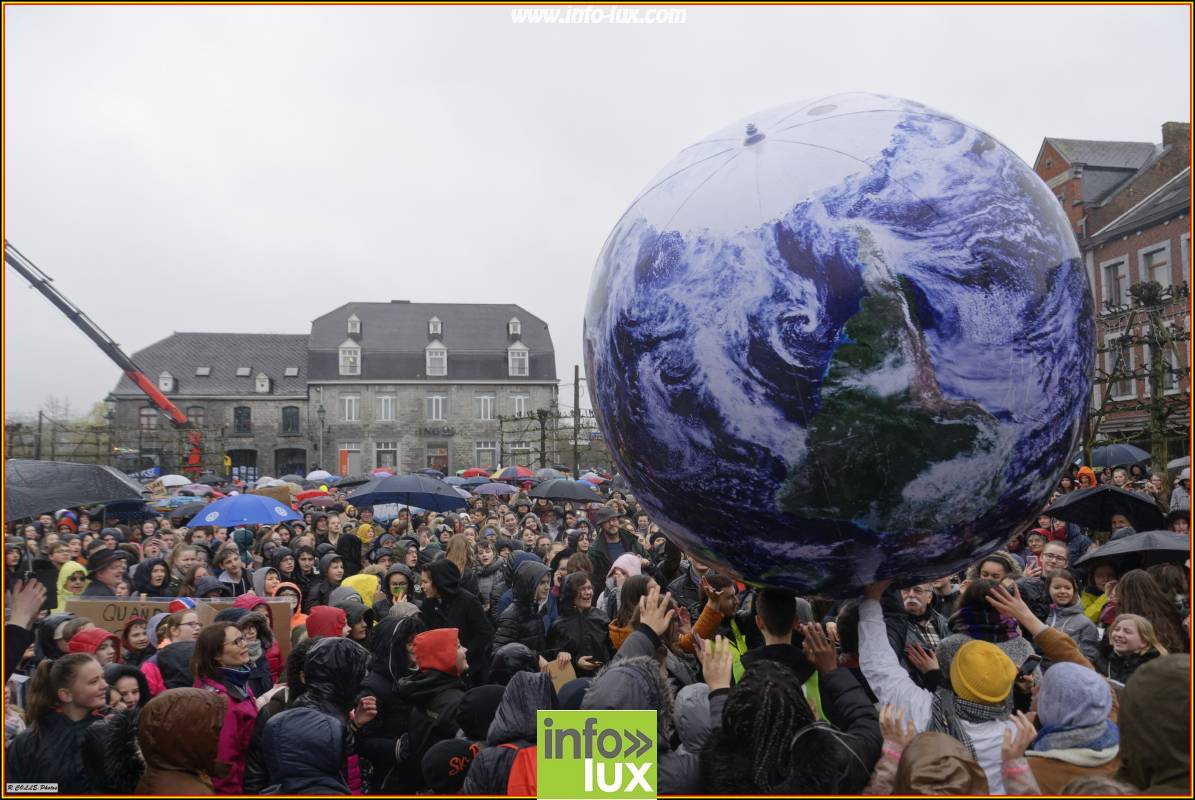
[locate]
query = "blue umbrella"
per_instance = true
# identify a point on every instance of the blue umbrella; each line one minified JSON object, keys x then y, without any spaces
{"x":244,"y":509}
{"x":494,"y":488}
{"x":480,"y":480}
{"x":408,"y":490}
{"x":454,"y":481}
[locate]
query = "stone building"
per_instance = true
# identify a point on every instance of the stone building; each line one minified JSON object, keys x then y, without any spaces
{"x":423,"y":385}
{"x":246,"y":392}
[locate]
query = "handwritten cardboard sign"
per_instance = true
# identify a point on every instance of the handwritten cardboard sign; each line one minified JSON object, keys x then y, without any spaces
{"x":111,"y":614}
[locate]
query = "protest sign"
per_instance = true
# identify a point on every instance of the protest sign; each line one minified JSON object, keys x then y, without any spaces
{"x":279,"y":616}
{"x":112,"y":613}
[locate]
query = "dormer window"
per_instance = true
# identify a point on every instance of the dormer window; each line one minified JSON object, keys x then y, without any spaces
{"x":437,"y":359}
{"x":203,"y":372}
{"x":514,"y":327}
{"x":166,"y":382}
{"x":434,"y":328}
{"x":517,"y":360}
{"x":244,"y":372}
{"x":354,"y":325}
{"x":263,"y":383}
{"x":350,"y":358}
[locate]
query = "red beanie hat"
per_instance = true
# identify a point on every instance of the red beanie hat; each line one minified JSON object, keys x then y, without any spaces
{"x":436,"y":649}
{"x":90,"y":639}
{"x":68,"y":523}
{"x":326,"y":621}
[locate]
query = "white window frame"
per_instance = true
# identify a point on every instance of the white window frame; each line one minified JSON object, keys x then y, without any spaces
{"x":436,"y":404}
{"x":147,"y":421}
{"x":519,"y":452}
{"x":435,"y":327}
{"x":484,"y":403}
{"x":1122,"y":266}
{"x":485,"y":446}
{"x":350,"y":407}
{"x":514,"y":327}
{"x":350,"y":360}
{"x":384,"y":400}
{"x":291,"y":372}
{"x":244,"y":372}
{"x":1110,"y":362}
{"x":354,"y":325}
{"x":1184,"y":250}
{"x":166,"y":382}
{"x":525,"y":358}
{"x":1144,"y":272}
{"x":516,"y":401}
{"x":440,"y":352}
{"x":386,"y":447}
{"x":203,"y":372}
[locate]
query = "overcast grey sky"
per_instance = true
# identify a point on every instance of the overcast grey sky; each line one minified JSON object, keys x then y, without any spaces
{"x":248,"y":169}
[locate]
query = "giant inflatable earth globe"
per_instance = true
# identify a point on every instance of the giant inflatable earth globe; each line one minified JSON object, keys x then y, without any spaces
{"x":841,"y":340}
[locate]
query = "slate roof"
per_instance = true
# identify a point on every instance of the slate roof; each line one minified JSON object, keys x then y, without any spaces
{"x":1114,"y":155}
{"x":181,"y":354}
{"x":394,"y":337}
{"x":1171,"y":198}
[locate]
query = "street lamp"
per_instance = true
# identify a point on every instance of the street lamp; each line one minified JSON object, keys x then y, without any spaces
{"x":321,"y":412}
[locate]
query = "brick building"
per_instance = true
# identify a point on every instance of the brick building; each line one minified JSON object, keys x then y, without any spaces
{"x":1129,"y":205}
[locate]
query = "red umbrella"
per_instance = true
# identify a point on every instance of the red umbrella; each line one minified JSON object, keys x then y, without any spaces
{"x":301,"y":496}
{"x":322,"y":502}
{"x":515,"y":473}
{"x":476,"y":472}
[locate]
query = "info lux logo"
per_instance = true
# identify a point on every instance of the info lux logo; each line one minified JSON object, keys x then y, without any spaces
{"x":596,"y":754}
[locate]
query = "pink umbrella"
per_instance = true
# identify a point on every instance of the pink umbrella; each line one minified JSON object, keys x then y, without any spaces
{"x":382,"y":471}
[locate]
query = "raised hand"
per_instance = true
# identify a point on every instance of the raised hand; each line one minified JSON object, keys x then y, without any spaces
{"x":924,"y":660}
{"x":654,"y":611}
{"x":716,"y":660}
{"x":818,"y":649}
{"x":1015,"y":745}
{"x":894,"y":726}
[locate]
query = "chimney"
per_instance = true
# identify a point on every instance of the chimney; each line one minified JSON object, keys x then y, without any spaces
{"x":1176,"y":134}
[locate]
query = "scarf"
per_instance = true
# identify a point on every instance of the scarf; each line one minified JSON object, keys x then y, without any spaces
{"x":1099,"y":736}
{"x":984,"y":624}
{"x":255,"y":649}
{"x":236,"y":676}
{"x":949,"y":711}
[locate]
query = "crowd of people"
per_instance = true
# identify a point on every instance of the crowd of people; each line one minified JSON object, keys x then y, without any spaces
{"x":420,"y":649}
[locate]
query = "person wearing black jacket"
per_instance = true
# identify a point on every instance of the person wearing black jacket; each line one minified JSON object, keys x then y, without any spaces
{"x":446,"y":605}
{"x":513,"y":728}
{"x":319,"y":591}
{"x":333,"y":670}
{"x":389,"y":663}
{"x":522,"y":621}
{"x":348,"y":547}
{"x":775,"y":614}
{"x":769,"y":741}
{"x":580,"y":630}
{"x":686,"y":590}
{"x":611,"y":542}
{"x":257,"y":775}
{"x":434,"y":694}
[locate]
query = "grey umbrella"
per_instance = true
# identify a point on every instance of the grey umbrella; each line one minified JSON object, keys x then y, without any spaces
{"x":1093,"y":508}
{"x":565,"y":489}
{"x":1140,"y":550}
{"x":1112,"y":455}
{"x":36,"y":487}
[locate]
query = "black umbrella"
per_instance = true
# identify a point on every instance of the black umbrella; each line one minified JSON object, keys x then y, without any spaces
{"x":292,"y":479}
{"x":408,"y":490}
{"x":127,"y":511}
{"x":211,"y":479}
{"x":360,"y":479}
{"x":1140,"y":550}
{"x":184,"y":513}
{"x":565,"y":489}
{"x":1111,"y":455}
{"x":37,"y":487}
{"x":1093,"y":508}
{"x":431,"y":473}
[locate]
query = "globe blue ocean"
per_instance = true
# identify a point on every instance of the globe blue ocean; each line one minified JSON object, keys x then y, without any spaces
{"x":841,"y":340}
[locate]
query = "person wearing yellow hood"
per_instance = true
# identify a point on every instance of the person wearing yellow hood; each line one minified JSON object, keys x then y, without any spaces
{"x":72,"y":580}
{"x":365,"y":585}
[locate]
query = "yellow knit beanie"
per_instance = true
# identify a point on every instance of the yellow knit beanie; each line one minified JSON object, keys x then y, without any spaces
{"x":982,"y":673}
